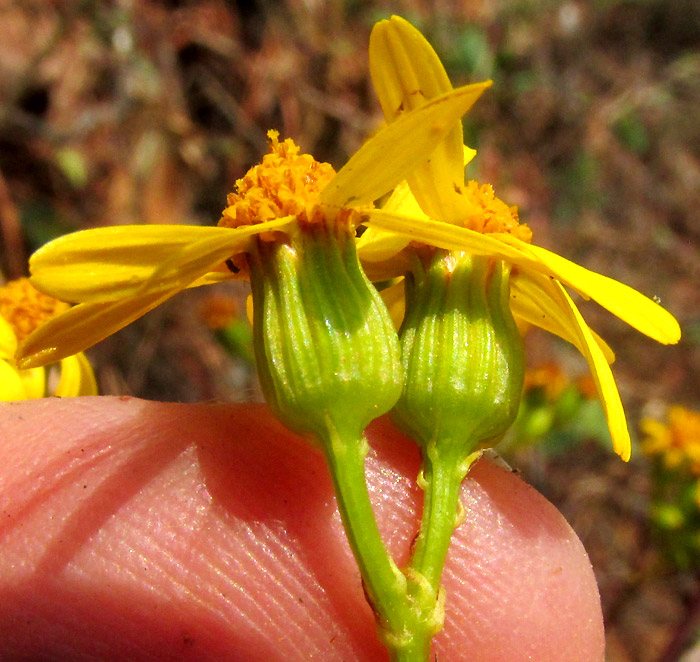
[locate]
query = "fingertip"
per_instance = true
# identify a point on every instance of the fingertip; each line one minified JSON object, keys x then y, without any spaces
{"x":519,"y":583}
{"x":218,"y":522}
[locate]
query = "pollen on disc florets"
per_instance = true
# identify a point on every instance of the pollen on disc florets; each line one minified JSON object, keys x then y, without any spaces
{"x":25,"y":309}
{"x":285,"y":183}
{"x":492,"y":214}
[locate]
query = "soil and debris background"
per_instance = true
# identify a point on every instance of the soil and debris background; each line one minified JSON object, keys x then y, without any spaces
{"x":147,"y":112}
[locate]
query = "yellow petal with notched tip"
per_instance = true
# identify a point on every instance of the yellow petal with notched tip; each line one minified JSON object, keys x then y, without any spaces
{"x":77,"y":377}
{"x":8,"y":340}
{"x":82,"y":326}
{"x":623,"y":301}
{"x":11,"y":386}
{"x":531,"y":300}
{"x":407,"y":73}
{"x":602,"y":376}
{"x":397,"y":149}
{"x":104,"y":264}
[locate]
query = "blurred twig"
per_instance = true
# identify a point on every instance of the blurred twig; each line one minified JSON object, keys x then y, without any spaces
{"x":11,"y":233}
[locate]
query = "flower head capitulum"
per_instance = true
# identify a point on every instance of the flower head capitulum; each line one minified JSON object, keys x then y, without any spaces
{"x":25,"y":309}
{"x":491,"y":214}
{"x":285,"y":183}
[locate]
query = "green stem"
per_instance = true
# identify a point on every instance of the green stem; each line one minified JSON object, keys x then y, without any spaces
{"x":408,"y":606}
{"x":384,"y":583}
{"x":441,"y":480}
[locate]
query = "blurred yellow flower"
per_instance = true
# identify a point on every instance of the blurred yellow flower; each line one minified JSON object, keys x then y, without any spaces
{"x":22,"y":310}
{"x":676,"y":442}
{"x":549,"y":377}
{"x":117,"y":274}
{"x":435,"y":207}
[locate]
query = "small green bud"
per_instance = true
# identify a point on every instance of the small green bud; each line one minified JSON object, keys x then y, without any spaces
{"x":327,"y":353}
{"x":462,"y":353}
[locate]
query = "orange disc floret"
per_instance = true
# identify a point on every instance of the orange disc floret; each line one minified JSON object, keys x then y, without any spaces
{"x":25,"y":309}
{"x":492,"y":214}
{"x":286,"y":183}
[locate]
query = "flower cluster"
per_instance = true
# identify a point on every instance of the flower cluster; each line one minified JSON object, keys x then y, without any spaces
{"x":328,"y":355}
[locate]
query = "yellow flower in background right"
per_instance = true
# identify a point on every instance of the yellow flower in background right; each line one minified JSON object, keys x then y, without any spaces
{"x":435,"y":207}
{"x":677,"y":442}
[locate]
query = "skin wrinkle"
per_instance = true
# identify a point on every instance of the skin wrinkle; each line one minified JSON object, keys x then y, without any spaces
{"x":219,"y":463}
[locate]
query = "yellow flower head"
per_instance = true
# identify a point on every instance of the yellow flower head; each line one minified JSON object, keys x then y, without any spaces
{"x":117,"y":274}
{"x":488,"y":214}
{"x":23,"y":309}
{"x":285,"y":183}
{"x":677,"y":442}
{"x":435,"y":207}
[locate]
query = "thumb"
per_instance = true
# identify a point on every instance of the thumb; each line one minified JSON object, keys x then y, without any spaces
{"x":145,"y":531}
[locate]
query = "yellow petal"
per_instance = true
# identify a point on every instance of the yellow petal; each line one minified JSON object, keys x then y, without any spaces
{"x":82,"y":326}
{"x":397,"y":149}
{"x":34,"y":380}
{"x":105,"y":264}
{"x":193,"y":262}
{"x":623,"y":301}
{"x":531,"y":300}
{"x":376,"y":245}
{"x":11,"y":386}
{"x":602,"y":376}
{"x":407,"y":73}
{"x":395,"y":300}
{"x":442,"y":235}
{"x":8,"y":340}
{"x":469,"y":155}
{"x":77,"y":377}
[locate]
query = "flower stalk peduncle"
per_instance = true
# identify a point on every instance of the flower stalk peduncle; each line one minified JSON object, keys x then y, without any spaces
{"x":463,"y":360}
{"x":329,"y":362}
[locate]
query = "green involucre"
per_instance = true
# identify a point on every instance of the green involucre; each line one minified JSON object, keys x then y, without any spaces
{"x":326,"y":349}
{"x":462,"y":353}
